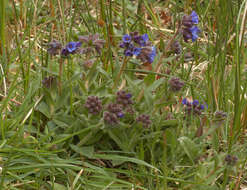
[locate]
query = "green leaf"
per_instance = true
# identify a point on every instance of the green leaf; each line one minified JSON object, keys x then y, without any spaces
{"x":44,"y":108}
{"x":168,"y":123}
{"x":124,"y":159}
{"x":57,"y":186}
{"x":87,"y":151}
{"x":189,"y":147}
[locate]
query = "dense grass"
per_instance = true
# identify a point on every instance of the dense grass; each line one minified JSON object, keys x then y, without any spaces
{"x":48,"y":138}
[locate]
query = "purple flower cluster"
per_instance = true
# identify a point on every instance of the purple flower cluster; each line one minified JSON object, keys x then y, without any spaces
{"x":94,"y":105}
{"x":110,"y":118}
{"x":176,"y":47}
{"x":120,"y":109}
{"x":189,"y":30}
{"x":91,"y":41}
{"x":193,"y":107}
{"x":116,"y":109}
{"x":139,"y":46}
{"x":124,"y":98}
{"x":144,"y":119}
{"x":54,"y":47}
{"x":231,"y":160}
{"x":175,"y":84}
{"x":49,"y":81}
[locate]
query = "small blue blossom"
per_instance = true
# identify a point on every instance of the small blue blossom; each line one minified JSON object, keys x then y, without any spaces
{"x":194,"y":17}
{"x":194,"y":31}
{"x":137,"y":51}
{"x":193,"y":107}
{"x":143,"y":40}
{"x":138,"y":45}
{"x":126,"y":38}
{"x":145,"y":37}
{"x":122,"y":45}
{"x":189,"y":30}
{"x":184,"y":101}
{"x":128,"y":95}
{"x":152,"y":55}
{"x":128,"y":52}
{"x":202,"y":107}
{"x":195,"y":102}
{"x":120,"y":114}
{"x":72,"y":46}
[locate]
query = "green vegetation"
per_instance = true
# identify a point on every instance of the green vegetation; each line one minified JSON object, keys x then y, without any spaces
{"x":123,"y":94}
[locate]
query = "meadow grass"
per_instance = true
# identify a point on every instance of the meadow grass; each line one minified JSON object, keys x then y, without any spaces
{"x":50,"y":137}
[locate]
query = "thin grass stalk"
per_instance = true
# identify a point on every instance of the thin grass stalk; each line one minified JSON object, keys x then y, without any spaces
{"x":3,"y":46}
{"x":5,"y":104}
{"x":124,"y":16}
{"x":61,"y":10}
{"x":164,"y":162}
{"x":237,"y":106}
{"x":103,"y":19}
{"x":140,"y":13}
{"x":2,"y":24}
{"x":110,"y":24}
{"x":60,"y":75}
{"x":91,"y":27}
{"x":18,"y":45}
{"x":110,"y":36}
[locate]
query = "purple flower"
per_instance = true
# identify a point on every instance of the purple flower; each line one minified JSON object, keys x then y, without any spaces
{"x":138,"y":45}
{"x":189,"y":30}
{"x":195,"y":103}
{"x":202,"y":107}
{"x":126,"y":38}
{"x":128,"y":52}
{"x":152,"y":55}
{"x":136,"y":51}
{"x":194,"y":17}
{"x":124,"y":98}
{"x":143,"y":40}
{"x":128,"y":95}
{"x":72,"y":46}
{"x":120,"y":114}
{"x":54,"y":47}
{"x":122,"y":45}
{"x":175,"y":84}
{"x":193,"y":107}
{"x":194,"y":31}
{"x":64,"y":52}
{"x":184,"y":101}
{"x":91,"y":41}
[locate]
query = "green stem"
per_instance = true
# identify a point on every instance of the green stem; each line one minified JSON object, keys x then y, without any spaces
{"x":60,"y":75}
{"x":120,"y":72}
{"x":2,"y":24}
{"x":124,"y":16}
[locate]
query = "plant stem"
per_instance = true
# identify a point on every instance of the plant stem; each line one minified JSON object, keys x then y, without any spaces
{"x":120,"y":72}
